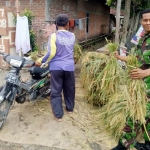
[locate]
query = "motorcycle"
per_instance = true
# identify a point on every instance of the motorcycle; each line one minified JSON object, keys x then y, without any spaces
{"x":38,"y":86}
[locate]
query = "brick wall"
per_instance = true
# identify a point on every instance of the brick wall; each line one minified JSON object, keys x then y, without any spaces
{"x":37,"y":7}
{"x":75,"y":9}
{"x":98,"y":15}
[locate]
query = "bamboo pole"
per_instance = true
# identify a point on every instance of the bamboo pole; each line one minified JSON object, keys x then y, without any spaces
{"x":17,"y":10}
{"x":17,"y":7}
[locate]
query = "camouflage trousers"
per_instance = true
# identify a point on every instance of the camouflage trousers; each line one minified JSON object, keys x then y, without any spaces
{"x":131,"y":130}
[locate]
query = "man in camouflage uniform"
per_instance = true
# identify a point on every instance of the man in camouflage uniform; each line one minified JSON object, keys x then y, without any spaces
{"x":131,"y":129}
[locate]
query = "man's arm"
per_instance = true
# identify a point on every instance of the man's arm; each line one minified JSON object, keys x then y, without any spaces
{"x":139,"y":73}
{"x":51,"y":50}
{"x":135,"y":73}
{"x":119,"y":57}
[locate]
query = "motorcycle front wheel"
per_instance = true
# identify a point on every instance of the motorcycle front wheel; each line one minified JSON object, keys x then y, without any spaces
{"x":4,"y":110}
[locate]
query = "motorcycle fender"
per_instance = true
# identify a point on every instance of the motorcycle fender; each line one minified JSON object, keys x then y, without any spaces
{"x":2,"y":96}
{"x":12,"y":94}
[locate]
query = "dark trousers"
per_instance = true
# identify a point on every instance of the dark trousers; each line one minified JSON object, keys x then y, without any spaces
{"x":62,"y":81}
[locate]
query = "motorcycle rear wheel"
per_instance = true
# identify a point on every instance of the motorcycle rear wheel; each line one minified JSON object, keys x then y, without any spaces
{"x":47,"y":91}
{"x":4,"y":110}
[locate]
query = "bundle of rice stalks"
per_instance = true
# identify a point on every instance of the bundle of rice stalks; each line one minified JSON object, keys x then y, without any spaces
{"x":129,"y":102}
{"x":77,"y":52}
{"x":137,"y":92}
{"x":113,"y":115}
{"x":111,"y":77}
{"x":91,"y":66}
{"x":112,"y":47}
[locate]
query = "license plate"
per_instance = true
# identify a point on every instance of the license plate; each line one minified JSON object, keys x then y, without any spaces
{"x":11,"y":78}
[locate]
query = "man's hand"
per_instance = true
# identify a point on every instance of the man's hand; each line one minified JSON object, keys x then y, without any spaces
{"x":37,"y":63}
{"x":119,"y":57}
{"x":139,"y":73}
{"x":116,"y":54}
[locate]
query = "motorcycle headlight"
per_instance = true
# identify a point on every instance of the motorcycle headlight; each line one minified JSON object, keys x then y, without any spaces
{"x":15,"y":63}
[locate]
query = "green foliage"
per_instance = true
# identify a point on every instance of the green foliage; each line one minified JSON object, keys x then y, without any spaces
{"x":136,"y":6}
{"x":34,"y":47}
{"x":30,"y":15}
{"x":110,"y":2}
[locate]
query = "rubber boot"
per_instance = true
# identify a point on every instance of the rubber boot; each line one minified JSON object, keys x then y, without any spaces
{"x":119,"y":147}
{"x":140,"y":146}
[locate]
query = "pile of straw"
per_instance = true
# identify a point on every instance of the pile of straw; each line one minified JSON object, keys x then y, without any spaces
{"x":77,"y":52}
{"x":91,"y":66}
{"x":101,"y":75}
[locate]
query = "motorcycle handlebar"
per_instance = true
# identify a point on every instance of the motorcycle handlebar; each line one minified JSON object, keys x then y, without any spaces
{"x":44,"y":65}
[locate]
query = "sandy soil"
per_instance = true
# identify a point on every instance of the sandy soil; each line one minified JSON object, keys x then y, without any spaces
{"x":31,"y":126}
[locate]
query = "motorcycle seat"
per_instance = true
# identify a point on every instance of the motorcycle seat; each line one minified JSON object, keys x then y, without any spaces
{"x":37,"y":72}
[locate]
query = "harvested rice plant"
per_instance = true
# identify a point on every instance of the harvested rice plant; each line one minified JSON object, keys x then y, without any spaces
{"x":91,"y":66}
{"x":77,"y":52}
{"x":109,"y":86}
{"x":137,"y":93}
{"x":127,"y":103}
{"x":101,"y":75}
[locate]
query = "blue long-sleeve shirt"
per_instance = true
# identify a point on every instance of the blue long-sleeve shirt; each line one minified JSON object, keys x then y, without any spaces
{"x":60,"y":51}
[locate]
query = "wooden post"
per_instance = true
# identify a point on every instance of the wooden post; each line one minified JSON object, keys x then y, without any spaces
{"x":17,"y":7}
{"x":47,"y":10}
{"x":117,"y":21}
{"x":39,"y":39}
{"x":17,"y":10}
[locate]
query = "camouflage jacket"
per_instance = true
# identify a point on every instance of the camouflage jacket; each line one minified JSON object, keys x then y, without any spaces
{"x":143,"y":50}
{"x":143,"y":55}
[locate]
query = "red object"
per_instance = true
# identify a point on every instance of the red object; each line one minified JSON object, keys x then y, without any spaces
{"x":71,"y":24}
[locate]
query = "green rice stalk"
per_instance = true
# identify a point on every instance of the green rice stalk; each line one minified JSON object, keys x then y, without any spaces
{"x":112,"y":47}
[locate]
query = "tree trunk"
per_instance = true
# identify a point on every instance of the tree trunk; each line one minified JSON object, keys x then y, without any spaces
{"x":47,"y":10}
{"x":136,"y":22}
{"x":126,"y":20}
{"x":117,"y":21}
{"x":132,"y":23}
{"x":39,"y":39}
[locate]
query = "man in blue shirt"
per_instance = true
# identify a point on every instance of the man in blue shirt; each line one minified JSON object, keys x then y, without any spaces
{"x":61,"y":56}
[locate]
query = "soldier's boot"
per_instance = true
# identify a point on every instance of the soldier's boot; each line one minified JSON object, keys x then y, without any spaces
{"x":119,"y":147}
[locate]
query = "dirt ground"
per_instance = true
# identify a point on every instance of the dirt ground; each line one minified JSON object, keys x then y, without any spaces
{"x":31,"y":126}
